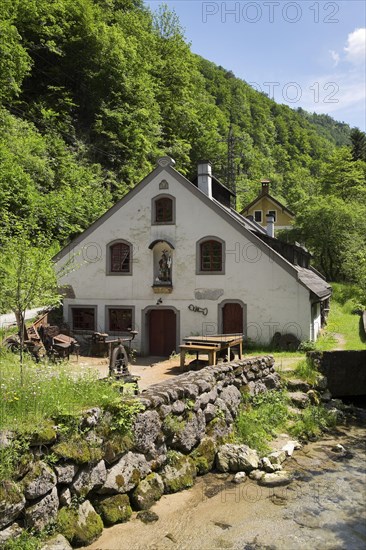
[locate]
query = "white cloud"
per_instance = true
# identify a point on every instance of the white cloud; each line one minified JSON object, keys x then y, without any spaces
{"x":335,"y":56}
{"x":356,"y":46}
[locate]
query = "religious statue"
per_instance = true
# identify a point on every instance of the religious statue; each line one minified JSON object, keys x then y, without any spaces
{"x":165,"y":264}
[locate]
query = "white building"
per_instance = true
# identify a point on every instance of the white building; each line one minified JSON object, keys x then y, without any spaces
{"x":173,"y":259}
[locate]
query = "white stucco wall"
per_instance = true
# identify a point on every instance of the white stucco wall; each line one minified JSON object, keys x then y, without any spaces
{"x":274,"y":298}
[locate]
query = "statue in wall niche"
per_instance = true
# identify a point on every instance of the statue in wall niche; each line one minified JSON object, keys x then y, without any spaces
{"x":165,"y":264}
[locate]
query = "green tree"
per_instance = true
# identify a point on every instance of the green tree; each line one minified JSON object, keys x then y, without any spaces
{"x":27,"y":279}
{"x":358,"y":140}
{"x":335,"y":233}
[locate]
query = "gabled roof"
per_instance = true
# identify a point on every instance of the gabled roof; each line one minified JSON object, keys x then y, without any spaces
{"x":268,"y":196}
{"x":239,"y":222}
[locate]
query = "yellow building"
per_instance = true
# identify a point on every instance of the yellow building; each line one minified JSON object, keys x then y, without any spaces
{"x":265,"y":205}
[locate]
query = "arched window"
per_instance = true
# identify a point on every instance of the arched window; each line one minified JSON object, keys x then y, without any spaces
{"x":211,"y":256}
{"x":119,"y":258}
{"x":163,"y":210}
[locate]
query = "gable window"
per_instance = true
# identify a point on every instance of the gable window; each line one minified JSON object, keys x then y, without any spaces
{"x":163,"y":211}
{"x":258,"y":216}
{"x":119,"y":319}
{"x":83,"y":318}
{"x":211,"y":256}
{"x":119,"y":258}
{"x":272,"y":213}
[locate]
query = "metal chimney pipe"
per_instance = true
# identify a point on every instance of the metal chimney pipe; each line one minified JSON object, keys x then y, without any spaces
{"x":270,"y":225}
{"x":204,"y":179}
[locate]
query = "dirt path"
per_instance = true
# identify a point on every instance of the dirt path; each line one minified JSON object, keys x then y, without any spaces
{"x":341,"y":342}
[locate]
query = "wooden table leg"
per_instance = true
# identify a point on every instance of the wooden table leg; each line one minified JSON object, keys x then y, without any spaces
{"x":228,"y":354}
{"x":213,"y":362}
{"x":240,"y":350}
{"x":182,"y":359}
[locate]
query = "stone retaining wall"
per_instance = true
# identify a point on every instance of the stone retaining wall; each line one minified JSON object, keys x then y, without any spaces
{"x":94,"y":476}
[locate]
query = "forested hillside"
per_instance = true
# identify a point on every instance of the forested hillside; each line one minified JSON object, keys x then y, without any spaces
{"x":93,"y":91}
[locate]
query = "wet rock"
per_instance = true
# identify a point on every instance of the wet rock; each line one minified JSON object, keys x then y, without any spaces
{"x":236,"y":458}
{"x":82,"y":526}
{"x":239,"y":477}
{"x":39,"y":480}
{"x":126,"y":474}
{"x":290,"y":447}
{"x":148,"y":517}
{"x":57,"y":543}
{"x":147,"y":492}
{"x":115,"y":509}
{"x":276,"y":479}
{"x":179,"y":473}
{"x":42,"y":512}
{"x":339,"y":449}
{"x":277,"y":457}
{"x":256,"y":475}
{"x":12,"y":503}
{"x":10,"y":533}
{"x":267,"y":465}
{"x":299,"y":399}
{"x":204,"y":455}
{"x":89,"y":478}
{"x":65,"y":472}
{"x":326,"y":396}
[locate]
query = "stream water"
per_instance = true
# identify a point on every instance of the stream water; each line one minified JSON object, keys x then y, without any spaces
{"x":322,"y":509}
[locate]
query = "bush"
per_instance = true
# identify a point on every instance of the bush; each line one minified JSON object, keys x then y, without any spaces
{"x":260,"y":418}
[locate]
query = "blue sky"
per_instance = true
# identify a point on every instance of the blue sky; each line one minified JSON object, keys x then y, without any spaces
{"x":308,"y":54}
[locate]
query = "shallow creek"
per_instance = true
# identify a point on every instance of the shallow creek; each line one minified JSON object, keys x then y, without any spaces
{"x":324,"y":508}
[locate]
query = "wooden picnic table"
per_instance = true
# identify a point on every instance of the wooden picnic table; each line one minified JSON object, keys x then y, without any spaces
{"x":211,"y":346}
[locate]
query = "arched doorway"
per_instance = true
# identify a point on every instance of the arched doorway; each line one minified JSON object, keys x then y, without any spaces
{"x":162,"y":331}
{"x":232,"y":314}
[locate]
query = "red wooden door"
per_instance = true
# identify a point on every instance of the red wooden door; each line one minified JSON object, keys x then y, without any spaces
{"x":232,"y":318}
{"x":162,"y":332}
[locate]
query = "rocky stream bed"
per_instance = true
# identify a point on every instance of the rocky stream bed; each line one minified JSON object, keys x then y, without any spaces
{"x":323,"y":508}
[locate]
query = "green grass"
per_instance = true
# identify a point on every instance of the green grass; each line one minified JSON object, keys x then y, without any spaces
{"x":306,"y":371}
{"x":313,"y":421}
{"x":49,"y":391}
{"x":260,"y":419}
{"x":342,"y":321}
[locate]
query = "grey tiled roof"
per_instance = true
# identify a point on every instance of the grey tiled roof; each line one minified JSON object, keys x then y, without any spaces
{"x":314,"y":282}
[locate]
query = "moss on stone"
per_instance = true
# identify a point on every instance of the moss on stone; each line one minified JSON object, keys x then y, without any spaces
{"x":120,"y":480}
{"x":115,"y":509}
{"x":44,"y":434}
{"x":148,"y":491}
{"x":79,"y":534}
{"x":135,"y":477}
{"x":204,"y":456}
{"x":173,"y":424}
{"x":115,"y":446}
{"x":10,"y":493}
{"x":77,"y":450}
{"x":179,"y":473}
